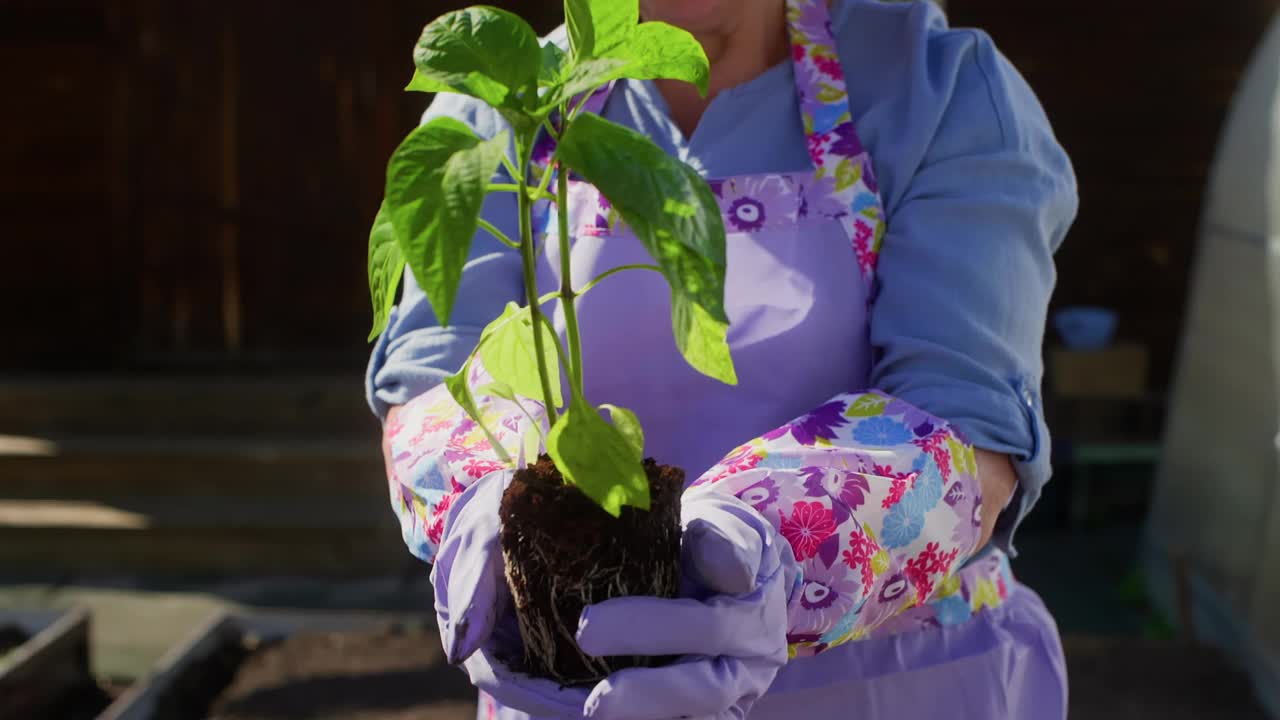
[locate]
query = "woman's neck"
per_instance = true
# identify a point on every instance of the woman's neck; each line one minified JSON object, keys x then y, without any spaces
{"x":738,"y":54}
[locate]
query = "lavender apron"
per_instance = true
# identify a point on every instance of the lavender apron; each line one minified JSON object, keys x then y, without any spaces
{"x":802,"y":251}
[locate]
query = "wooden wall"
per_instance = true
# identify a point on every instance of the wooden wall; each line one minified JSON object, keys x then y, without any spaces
{"x":190,"y":183}
{"x":1137,"y":92}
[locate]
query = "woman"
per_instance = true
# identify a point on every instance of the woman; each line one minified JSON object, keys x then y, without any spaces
{"x":893,"y":195}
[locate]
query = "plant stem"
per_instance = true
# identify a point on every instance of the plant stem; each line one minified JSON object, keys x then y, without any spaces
{"x":501,"y":236}
{"x":504,"y":187}
{"x":567,"y":294}
{"x":531,"y":277}
{"x":614,"y":271}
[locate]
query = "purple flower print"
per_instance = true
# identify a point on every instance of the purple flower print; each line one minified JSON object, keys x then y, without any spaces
{"x":869,"y":172}
{"x":826,"y":596}
{"x":821,"y":423}
{"x":894,"y":589}
{"x":753,"y":204}
{"x":920,"y":422}
{"x":760,"y":495}
{"x":913,"y":620}
{"x":818,"y":198}
{"x":846,"y":142}
{"x":848,"y":489}
{"x":814,"y":22}
{"x":543,"y":148}
{"x":747,"y":214}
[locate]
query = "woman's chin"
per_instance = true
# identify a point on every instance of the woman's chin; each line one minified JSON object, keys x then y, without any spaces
{"x":696,"y":16}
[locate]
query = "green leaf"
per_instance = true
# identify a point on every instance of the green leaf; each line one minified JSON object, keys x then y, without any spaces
{"x":660,"y":51}
{"x":509,"y":355}
{"x":552,"y":69}
{"x":386,"y":267}
{"x":702,"y":339}
{"x":848,"y":173}
{"x":828,"y":94}
{"x":597,"y":25}
{"x":582,"y":77}
{"x":867,"y":406}
{"x":461,"y":392}
{"x":504,"y":391}
{"x":597,"y":458}
{"x":483,"y":52}
{"x":675,"y":215}
{"x":628,"y":424}
{"x":436,"y":184}
{"x":651,"y":51}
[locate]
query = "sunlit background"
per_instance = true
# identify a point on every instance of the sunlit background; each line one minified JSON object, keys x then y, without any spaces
{"x":185,"y":455}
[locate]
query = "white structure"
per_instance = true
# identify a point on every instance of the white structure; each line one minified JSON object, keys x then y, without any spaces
{"x":1213,"y":542}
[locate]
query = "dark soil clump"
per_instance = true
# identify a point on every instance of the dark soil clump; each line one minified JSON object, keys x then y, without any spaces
{"x":563,"y":552}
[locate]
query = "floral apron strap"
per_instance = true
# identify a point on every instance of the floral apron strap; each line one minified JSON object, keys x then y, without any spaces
{"x":840,"y":161}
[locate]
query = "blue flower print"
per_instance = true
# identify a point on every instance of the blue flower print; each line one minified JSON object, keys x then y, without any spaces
{"x":901,"y":527}
{"x":826,"y":117}
{"x":881,"y":432}
{"x":951,"y":610}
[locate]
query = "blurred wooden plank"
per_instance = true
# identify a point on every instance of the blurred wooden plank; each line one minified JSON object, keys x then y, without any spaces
{"x":43,"y":671}
{"x":201,"y":553}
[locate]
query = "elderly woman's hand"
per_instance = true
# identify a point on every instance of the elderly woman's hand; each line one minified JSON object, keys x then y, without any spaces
{"x":998,"y":480}
{"x":730,"y":629}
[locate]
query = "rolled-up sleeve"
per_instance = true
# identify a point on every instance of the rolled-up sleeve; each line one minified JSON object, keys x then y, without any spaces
{"x":966,"y":268}
{"x":415,"y":353}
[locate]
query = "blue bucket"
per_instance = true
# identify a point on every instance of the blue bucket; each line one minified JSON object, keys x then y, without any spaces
{"x":1085,"y":328}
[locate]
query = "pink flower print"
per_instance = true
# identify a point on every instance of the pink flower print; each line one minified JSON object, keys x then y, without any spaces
{"x":935,"y":446}
{"x":809,"y":525}
{"x":818,"y":147}
{"x":863,"y":234}
{"x":752,"y":204}
{"x":858,"y":557}
{"x":435,"y":531}
{"x":392,"y":429}
{"x":928,"y":566}
{"x":478,"y":467}
{"x":435,"y":424}
{"x":826,"y":595}
{"x":797,"y":52}
{"x":760,"y":495}
{"x":828,"y":65}
{"x":897,"y":489}
{"x":740,"y":460}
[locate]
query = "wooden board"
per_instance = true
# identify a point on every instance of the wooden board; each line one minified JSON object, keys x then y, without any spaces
{"x":53,"y":663}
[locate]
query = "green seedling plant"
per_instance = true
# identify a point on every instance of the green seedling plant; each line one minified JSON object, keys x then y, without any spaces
{"x":438,"y":179}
